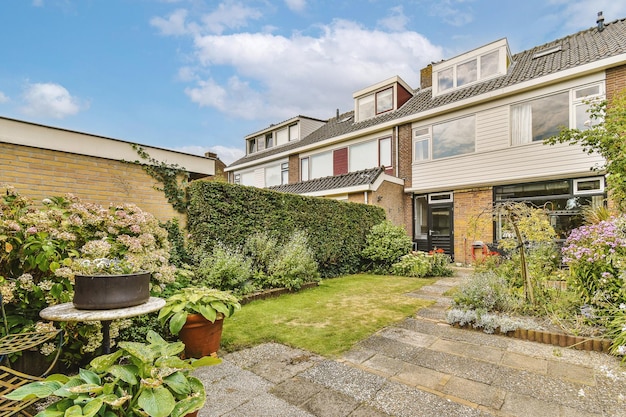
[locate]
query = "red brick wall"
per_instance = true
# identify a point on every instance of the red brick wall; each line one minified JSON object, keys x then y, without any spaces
{"x":615,"y":81}
{"x":294,"y":169}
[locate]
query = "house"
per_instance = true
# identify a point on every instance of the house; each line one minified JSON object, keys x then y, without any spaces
{"x":469,"y":136}
{"x":42,"y":161}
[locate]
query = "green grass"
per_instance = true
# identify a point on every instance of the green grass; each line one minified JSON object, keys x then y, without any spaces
{"x":328,"y":319}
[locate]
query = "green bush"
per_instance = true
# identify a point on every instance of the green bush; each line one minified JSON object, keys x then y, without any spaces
{"x":226,"y":269}
{"x":440,"y":264}
{"x":412,"y":265}
{"x":294,"y":264}
{"x":385,"y":245}
{"x":484,"y":291}
{"x":231,"y":213}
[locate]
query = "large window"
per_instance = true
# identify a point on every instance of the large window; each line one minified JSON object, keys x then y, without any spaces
{"x":272,"y":176}
{"x":564,"y":200}
{"x":363,"y":156}
{"x":456,"y":137}
{"x":583,"y":99}
{"x":321,"y":165}
{"x":384,"y":153}
{"x":539,"y":119}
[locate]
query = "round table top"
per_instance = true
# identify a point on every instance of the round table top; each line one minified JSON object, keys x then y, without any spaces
{"x":67,"y":311}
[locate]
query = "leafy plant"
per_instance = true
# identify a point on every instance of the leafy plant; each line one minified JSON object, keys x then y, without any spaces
{"x":294,"y":264}
{"x":386,"y":243}
{"x":211,"y":303}
{"x":226,"y":269}
{"x":412,"y":265}
{"x":484,"y":291}
{"x":139,"y":379}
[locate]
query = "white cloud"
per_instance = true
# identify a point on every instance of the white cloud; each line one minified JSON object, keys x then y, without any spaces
{"x":226,"y":154}
{"x":276,"y":77}
{"x":227,"y":15}
{"x":396,"y":21}
{"x":578,"y":15}
{"x":296,"y":5}
{"x":173,"y":25}
{"x":49,"y":100}
{"x":3,"y":97}
{"x":451,"y":12}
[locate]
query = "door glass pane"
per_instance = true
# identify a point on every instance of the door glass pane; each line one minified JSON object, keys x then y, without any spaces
{"x":441,"y":221}
{"x":421,"y":218}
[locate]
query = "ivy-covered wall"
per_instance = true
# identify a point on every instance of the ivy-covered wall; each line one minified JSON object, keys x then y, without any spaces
{"x":230,"y":213}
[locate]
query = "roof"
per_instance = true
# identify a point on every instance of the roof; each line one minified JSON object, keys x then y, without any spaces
{"x":581,"y":48}
{"x":351,"y":179}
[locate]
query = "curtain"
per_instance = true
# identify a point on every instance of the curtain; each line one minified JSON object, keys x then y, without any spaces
{"x":521,"y":124}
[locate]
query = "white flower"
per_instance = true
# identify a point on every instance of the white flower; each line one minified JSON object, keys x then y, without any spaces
{"x":581,"y":392}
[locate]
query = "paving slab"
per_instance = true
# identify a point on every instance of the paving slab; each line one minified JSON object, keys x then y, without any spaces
{"x":418,"y":367}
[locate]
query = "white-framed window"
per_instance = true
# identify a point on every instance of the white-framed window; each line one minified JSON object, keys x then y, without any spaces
{"x":321,"y":165}
{"x":251,"y":146}
{"x":282,"y":136}
{"x":591,"y":185}
{"x":540,"y":118}
{"x":304,"y":169}
{"x":284,"y":173}
{"x":543,"y":117}
{"x":237,"y":179}
{"x":272,"y":175}
{"x":294,"y":132}
{"x":384,"y":152}
{"x":454,"y":137}
{"x":269,"y":140}
{"x":582,"y":99}
{"x":475,"y":69}
{"x":421,"y":144}
{"x":362,"y":155}
{"x":375,"y":103}
{"x":440,"y":198}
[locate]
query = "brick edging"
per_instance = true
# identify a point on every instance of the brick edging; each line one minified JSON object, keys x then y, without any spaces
{"x":274,"y":292}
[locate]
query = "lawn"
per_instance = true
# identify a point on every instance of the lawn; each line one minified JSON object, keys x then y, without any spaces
{"x":328,"y":319}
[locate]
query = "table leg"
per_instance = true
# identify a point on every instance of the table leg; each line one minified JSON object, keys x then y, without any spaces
{"x":106,"y":337}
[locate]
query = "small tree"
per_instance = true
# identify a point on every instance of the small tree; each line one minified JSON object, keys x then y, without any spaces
{"x":606,"y":135}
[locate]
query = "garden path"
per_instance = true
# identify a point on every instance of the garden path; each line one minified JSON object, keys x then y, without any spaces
{"x":419,"y":367}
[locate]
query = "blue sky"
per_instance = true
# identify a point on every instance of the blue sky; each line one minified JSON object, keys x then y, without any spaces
{"x":199,"y":75}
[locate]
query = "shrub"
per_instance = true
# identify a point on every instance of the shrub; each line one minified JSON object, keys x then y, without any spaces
{"x":40,"y":246}
{"x":294,"y":265}
{"x":226,"y":269}
{"x":385,"y":245}
{"x":414,"y":264}
{"x":484,"y":291}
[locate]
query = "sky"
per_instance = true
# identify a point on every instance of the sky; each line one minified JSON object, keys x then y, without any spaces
{"x":200,"y":75}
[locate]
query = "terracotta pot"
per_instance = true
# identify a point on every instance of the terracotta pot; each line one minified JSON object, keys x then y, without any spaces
{"x":106,"y":292}
{"x":200,"y":336}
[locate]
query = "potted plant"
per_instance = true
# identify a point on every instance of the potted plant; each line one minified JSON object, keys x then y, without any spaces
{"x":196,"y":315}
{"x":139,"y":379}
{"x":103,"y":284}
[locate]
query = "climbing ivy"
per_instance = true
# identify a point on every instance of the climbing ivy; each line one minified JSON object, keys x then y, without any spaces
{"x":173,"y":177}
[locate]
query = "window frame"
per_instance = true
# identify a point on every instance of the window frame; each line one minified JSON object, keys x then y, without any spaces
{"x":419,"y":138}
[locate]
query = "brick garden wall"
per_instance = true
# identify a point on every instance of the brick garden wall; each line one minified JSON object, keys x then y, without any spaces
{"x":39,"y":173}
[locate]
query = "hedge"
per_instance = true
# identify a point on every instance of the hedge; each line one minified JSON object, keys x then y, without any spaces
{"x":230,"y":213}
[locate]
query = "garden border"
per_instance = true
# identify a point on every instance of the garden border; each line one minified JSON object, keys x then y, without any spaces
{"x":551,"y":338}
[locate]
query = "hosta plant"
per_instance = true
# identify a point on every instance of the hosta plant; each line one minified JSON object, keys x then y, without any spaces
{"x":139,"y":379}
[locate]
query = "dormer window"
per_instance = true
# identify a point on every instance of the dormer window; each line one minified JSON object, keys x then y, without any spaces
{"x":383,"y":97}
{"x":478,"y":65}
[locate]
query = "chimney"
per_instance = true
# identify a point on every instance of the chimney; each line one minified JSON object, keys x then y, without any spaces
{"x":211,"y":155}
{"x":600,"y":22}
{"x":426,"y":76}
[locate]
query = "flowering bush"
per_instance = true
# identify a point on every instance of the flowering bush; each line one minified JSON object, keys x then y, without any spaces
{"x":421,"y":264}
{"x":43,"y":247}
{"x":596,"y":255}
